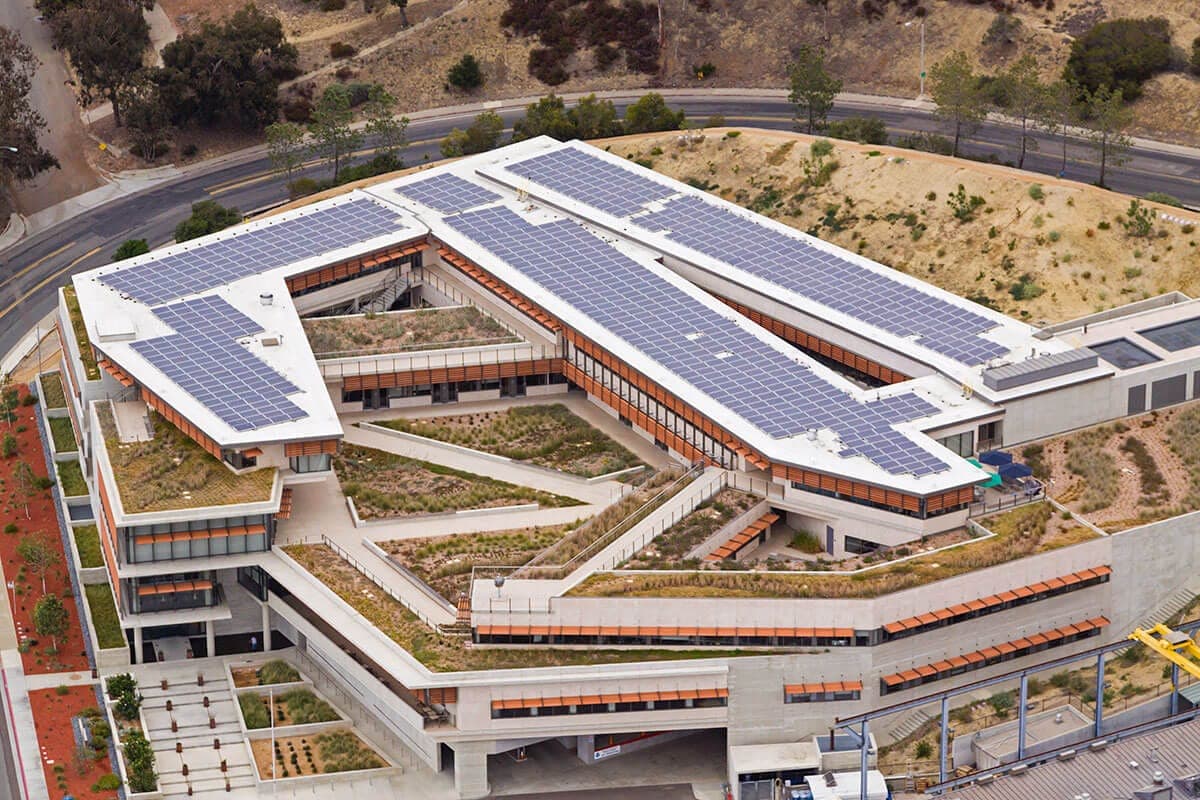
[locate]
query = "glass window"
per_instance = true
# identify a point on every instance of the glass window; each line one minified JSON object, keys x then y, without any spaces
{"x":321,"y":462}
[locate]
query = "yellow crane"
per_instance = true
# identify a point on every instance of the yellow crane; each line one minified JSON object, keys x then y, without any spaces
{"x":1175,"y":646}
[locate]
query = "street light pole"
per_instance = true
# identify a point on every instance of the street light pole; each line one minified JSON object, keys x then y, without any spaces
{"x":921,"y":22}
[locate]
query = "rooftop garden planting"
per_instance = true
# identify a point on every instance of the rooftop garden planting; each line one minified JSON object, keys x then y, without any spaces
{"x":171,"y":471}
{"x":297,"y":756}
{"x":388,"y":485}
{"x":404,"y":331}
{"x":63,"y":434}
{"x":548,"y":436}
{"x":87,"y":542}
{"x":293,"y":707}
{"x":52,"y":389}
{"x":448,"y":653}
{"x":90,"y":368}
{"x":104,"y":616}
{"x":445,"y":562}
{"x":1027,"y":530}
{"x":669,"y":549}
{"x":1125,"y":473}
{"x":70,"y":478}
{"x":272,"y":672}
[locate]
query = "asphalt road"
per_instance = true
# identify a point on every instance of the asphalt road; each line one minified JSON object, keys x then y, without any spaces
{"x":31,"y":270}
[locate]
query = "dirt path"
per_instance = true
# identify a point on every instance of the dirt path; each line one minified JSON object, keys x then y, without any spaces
{"x":64,"y":136}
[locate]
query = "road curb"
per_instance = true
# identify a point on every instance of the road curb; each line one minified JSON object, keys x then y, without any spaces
{"x":13,"y":232}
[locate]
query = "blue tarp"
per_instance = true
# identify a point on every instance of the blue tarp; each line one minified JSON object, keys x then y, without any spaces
{"x":1012,"y":472}
{"x":995,"y":458}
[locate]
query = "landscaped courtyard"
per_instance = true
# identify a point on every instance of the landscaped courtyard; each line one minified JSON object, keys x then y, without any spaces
{"x":404,"y":331}
{"x":1124,"y":473}
{"x":546,"y":435}
{"x":274,"y":671}
{"x":293,"y":707}
{"x":670,"y":548}
{"x":1024,"y":531}
{"x":385,"y":485}
{"x":295,"y":756}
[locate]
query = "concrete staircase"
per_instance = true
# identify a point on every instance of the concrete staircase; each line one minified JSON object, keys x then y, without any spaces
{"x":1174,"y":604}
{"x":197,"y":728}
{"x":908,"y":725}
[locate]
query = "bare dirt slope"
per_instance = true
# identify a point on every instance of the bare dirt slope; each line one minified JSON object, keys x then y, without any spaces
{"x":891,"y":205}
{"x":750,"y":42}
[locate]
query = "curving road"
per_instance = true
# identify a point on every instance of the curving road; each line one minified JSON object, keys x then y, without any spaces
{"x":32,"y":269}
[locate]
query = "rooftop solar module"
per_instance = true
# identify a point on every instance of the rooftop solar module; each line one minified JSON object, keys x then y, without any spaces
{"x":591,"y":180}
{"x":780,"y":396}
{"x":253,"y":251}
{"x":785,"y":259}
{"x":447,"y":193}
{"x":204,"y":358}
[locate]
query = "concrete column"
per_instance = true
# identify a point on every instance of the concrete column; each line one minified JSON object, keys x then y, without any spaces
{"x":137,"y":644}
{"x":210,"y":637}
{"x":862,"y":771}
{"x":1174,"y":689}
{"x":1099,"y":720}
{"x":1022,"y":700}
{"x":266,"y":628}
{"x":470,"y":771}
{"x":945,"y":743}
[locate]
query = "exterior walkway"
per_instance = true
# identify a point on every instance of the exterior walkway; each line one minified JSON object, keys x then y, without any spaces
{"x":19,"y":731}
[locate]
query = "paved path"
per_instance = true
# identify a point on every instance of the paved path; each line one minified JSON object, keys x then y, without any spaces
{"x":17,"y":726}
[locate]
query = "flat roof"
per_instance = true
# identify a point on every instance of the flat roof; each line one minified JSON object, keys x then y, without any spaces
{"x":747,"y":759}
{"x":189,"y":322}
{"x":617,"y":295}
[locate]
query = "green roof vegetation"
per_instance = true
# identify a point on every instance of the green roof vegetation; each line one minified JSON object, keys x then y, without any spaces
{"x":63,"y":434}
{"x":52,"y":389}
{"x":87,"y":542}
{"x":70,"y":478}
{"x":90,"y":368}
{"x":1024,"y":531}
{"x":404,"y":331}
{"x":104,"y":616}
{"x":448,"y":653}
{"x":384,"y":484}
{"x":170,"y":471}
{"x":549,"y":436}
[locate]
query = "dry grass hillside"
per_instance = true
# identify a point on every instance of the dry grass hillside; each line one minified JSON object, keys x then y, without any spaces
{"x":749,"y":41}
{"x":891,"y":205}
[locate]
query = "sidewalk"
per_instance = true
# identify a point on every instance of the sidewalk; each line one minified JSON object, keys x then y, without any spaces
{"x":18,"y":717}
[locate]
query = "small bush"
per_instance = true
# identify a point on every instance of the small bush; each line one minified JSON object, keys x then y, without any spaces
{"x":253,"y":711}
{"x":1036,"y":191}
{"x":107,"y":783}
{"x":1025,"y":288}
{"x":466,"y":74}
{"x":332,"y":5}
{"x":342,"y":50}
{"x":277,"y":671}
{"x":963,"y":205}
{"x":924,"y":750}
{"x":1164,"y":198}
{"x":1002,"y":702}
{"x":1138,"y":220}
{"x":864,"y":130}
{"x":705,"y":70}
{"x":298,"y":110}
{"x":302,"y":187}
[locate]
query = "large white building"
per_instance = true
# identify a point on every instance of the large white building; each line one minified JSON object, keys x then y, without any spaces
{"x":849,"y":393}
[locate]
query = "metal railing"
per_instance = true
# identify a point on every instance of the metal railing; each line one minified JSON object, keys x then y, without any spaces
{"x":438,"y":358}
{"x":373,"y":578}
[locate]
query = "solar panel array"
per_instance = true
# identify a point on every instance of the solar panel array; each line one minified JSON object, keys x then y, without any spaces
{"x":253,"y":251}
{"x":781,"y":258}
{"x":591,"y":180}
{"x":780,"y":396}
{"x":903,"y":407}
{"x":447,"y":193}
{"x":204,"y":358}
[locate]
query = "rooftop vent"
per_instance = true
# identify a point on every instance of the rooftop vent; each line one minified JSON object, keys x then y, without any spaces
{"x":271,"y":339}
{"x":266,"y":298}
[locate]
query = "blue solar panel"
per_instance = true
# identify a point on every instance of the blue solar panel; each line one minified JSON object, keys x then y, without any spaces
{"x":252,"y":252}
{"x":785,"y":259}
{"x":591,"y":180}
{"x":204,"y":359}
{"x":780,"y":396}
{"x":447,"y":193}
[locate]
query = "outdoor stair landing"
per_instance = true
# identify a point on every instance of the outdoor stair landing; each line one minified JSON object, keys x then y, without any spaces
{"x":740,"y":540}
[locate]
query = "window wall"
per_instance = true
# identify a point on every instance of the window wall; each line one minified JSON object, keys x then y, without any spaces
{"x":197,"y":538}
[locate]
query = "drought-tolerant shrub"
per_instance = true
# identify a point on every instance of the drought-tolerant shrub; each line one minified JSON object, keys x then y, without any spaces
{"x":1138,"y":220}
{"x":864,"y":130}
{"x":277,"y":671}
{"x":304,"y":707}
{"x":963,"y":205}
{"x":253,"y":711}
{"x":466,"y":74}
{"x":107,"y":783}
{"x":139,"y":757}
{"x":341,"y":50}
{"x":1120,"y":54}
{"x":923,"y":750}
{"x":1036,"y":191}
{"x":1025,"y":288}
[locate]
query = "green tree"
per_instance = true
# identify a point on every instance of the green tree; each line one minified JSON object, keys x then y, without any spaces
{"x":146,"y":116}
{"x":27,"y":483}
{"x":1003,"y":31}
{"x":208,"y":216}
{"x":1106,"y":119}
{"x":39,"y":555}
{"x":228,"y":72}
{"x":482,"y":135}
{"x":956,"y":95}
{"x":9,"y":399}
{"x":1056,"y":112}
{"x":9,"y":448}
{"x":286,"y":147}
{"x":466,"y":74}
{"x":651,"y":113}
{"x":130,"y":248}
{"x":546,"y":117}
{"x":389,"y":132}
{"x":813,"y":88}
{"x":1119,"y":55}
{"x":1025,"y":93}
{"x":20,"y":124}
{"x":333,"y":138}
{"x":864,"y":130}
{"x":50,"y":618}
{"x":594,"y":119}
{"x":106,"y":40}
